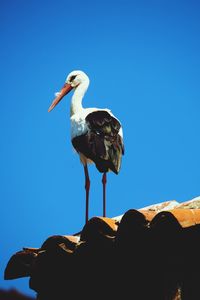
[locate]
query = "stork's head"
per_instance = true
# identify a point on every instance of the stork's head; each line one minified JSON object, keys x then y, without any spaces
{"x":77,"y":77}
{"x":73,"y":80}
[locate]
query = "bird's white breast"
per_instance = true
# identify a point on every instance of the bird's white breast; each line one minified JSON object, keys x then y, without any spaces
{"x":79,"y":125}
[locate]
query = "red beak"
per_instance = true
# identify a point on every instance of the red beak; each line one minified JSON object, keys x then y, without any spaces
{"x":64,"y":91}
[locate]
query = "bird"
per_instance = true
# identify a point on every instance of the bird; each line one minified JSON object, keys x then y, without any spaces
{"x":96,"y":134}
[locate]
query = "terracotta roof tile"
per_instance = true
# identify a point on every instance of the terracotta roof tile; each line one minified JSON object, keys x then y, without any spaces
{"x":146,"y":252}
{"x":168,"y":205}
{"x":19,"y":264}
{"x":98,"y":227}
{"x":70,"y":242}
{"x":191,"y":204}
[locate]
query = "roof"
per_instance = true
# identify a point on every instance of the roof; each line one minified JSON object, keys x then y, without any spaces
{"x":152,"y":252}
{"x":13,"y":294}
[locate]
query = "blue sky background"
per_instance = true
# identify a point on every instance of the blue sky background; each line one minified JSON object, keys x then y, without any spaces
{"x":143,"y":60}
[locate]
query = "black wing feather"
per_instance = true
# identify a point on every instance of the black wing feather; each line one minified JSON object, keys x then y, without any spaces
{"x":102,"y":143}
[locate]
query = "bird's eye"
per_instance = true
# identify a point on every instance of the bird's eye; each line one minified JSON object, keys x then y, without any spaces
{"x":72,"y":78}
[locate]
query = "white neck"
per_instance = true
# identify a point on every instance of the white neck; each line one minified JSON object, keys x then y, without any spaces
{"x":76,"y":102}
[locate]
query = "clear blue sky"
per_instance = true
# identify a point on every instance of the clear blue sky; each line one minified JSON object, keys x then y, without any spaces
{"x":143,"y":60}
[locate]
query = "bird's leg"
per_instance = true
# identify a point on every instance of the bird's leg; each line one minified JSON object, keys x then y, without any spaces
{"x":104,"y":180}
{"x":87,"y":188}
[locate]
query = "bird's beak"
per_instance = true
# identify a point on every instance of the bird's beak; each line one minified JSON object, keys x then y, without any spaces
{"x":64,"y":91}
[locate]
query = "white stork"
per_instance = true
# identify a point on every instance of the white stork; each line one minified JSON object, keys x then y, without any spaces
{"x":96,"y":134}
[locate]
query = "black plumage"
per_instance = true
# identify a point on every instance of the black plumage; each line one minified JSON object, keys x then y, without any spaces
{"x":102,"y":142}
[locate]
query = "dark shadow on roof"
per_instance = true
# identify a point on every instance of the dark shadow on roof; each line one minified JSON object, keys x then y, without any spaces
{"x":147,"y":253}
